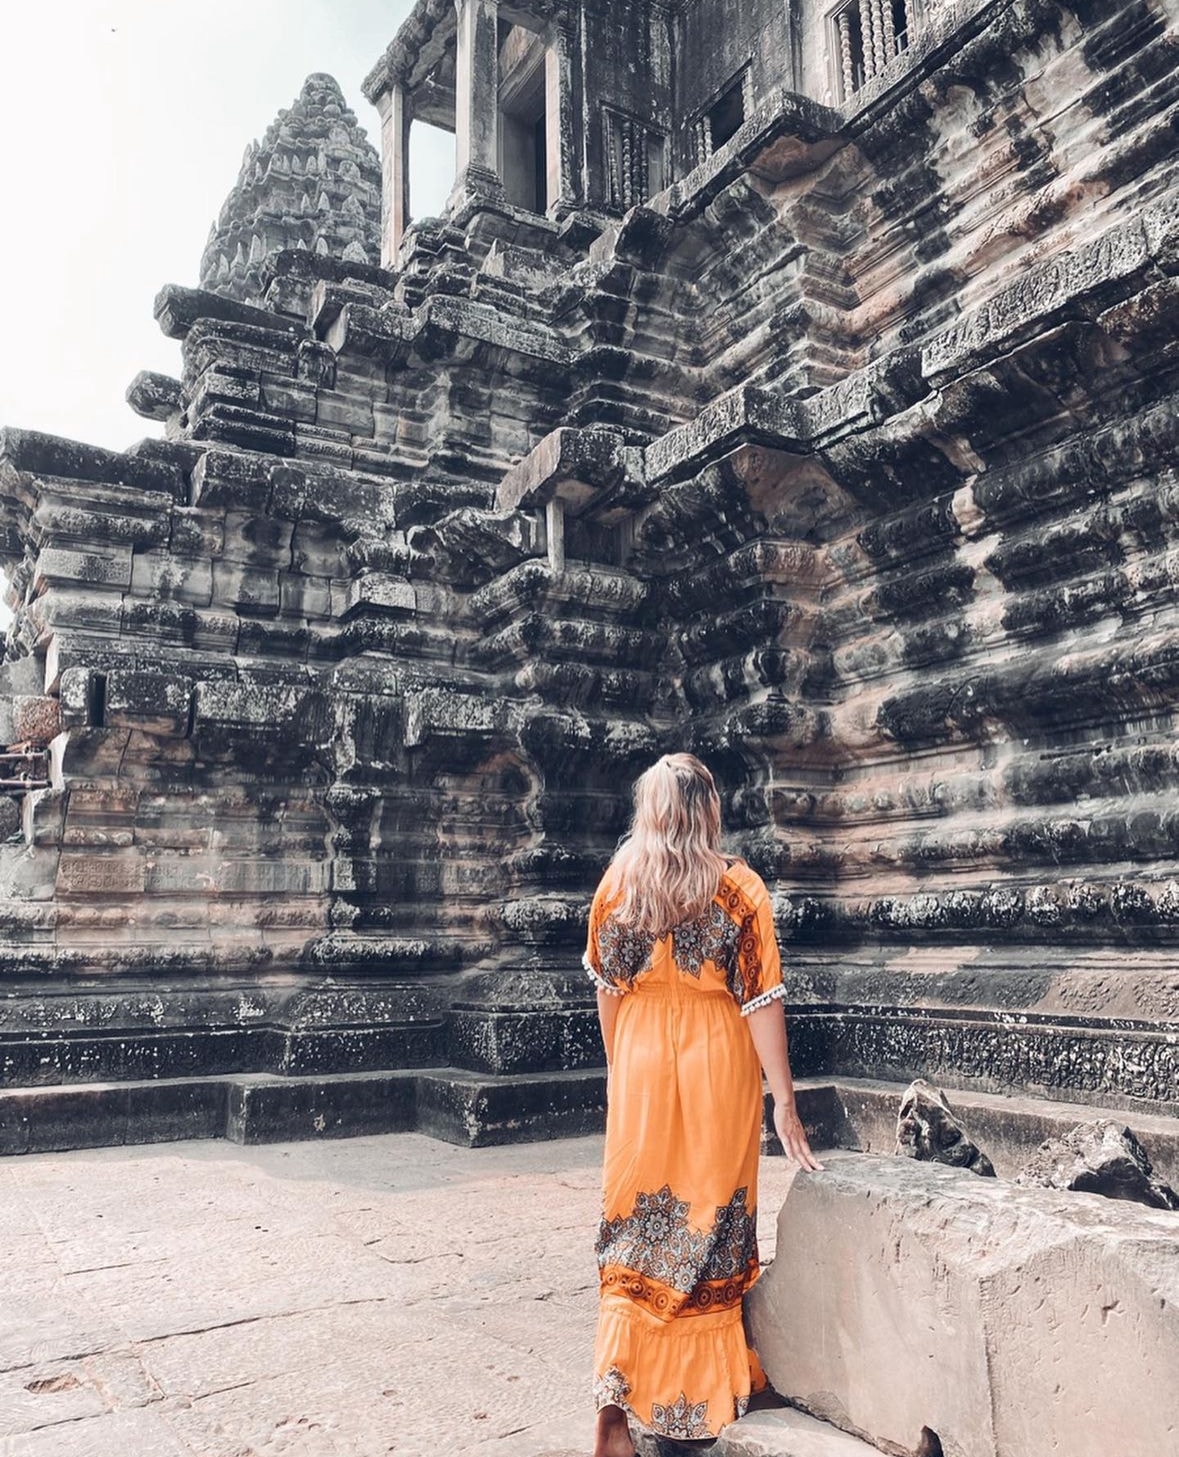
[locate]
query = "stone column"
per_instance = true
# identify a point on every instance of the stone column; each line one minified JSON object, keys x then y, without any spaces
{"x":558,"y":124}
{"x":554,"y":521}
{"x":846,"y":61}
{"x":476,"y":96}
{"x":396,"y":113}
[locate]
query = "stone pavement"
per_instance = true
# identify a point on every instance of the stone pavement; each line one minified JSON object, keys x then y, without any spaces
{"x":354,"y":1298}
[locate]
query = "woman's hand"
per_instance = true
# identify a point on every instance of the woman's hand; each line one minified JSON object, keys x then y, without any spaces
{"x":792,"y":1135}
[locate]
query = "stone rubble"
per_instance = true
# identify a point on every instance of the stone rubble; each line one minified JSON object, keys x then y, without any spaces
{"x":1101,"y":1157}
{"x":927,"y":1129}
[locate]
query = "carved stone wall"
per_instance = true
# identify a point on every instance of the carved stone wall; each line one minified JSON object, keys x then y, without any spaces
{"x":849,"y":463}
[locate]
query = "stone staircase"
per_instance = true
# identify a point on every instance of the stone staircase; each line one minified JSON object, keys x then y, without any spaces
{"x":454,"y":1104}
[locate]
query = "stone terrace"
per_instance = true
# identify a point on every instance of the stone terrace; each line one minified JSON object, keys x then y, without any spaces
{"x":370,"y":1296}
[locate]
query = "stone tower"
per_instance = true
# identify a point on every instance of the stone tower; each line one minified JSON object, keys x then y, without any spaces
{"x":793,"y":384}
{"x":314,"y":181}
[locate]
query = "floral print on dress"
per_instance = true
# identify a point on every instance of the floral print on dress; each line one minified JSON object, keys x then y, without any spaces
{"x":725,"y":936}
{"x":625,"y":953}
{"x":611,"y":1389}
{"x":713,"y":937}
{"x":655,"y":1240}
{"x":684,"y":1420}
{"x":734,"y":1239}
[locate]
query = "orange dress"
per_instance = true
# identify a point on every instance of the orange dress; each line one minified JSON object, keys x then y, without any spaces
{"x":677,"y":1247}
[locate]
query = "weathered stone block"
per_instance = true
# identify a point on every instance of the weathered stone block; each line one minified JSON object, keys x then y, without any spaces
{"x":437,"y":713}
{"x":1046,"y":1316}
{"x":297,"y":719}
{"x":154,"y":396}
{"x":173,"y":576}
{"x":343,"y":412}
{"x":69,"y":460}
{"x":220,"y":478}
{"x":76,"y":697}
{"x":35,"y":720}
{"x":153,"y":703}
{"x":571,"y":464}
{"x":376,"y":591}
{"x":106,"y":567}
{"x":97,"y":874}
{"x":251,"y":589}
{"x":1101,"y":1157}
{"x":927,"y":1129}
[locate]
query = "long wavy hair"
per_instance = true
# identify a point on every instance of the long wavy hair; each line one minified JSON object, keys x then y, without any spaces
{"x":669,"y":866}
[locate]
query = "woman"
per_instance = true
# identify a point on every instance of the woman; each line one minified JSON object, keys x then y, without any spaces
{"x":683,"y":953}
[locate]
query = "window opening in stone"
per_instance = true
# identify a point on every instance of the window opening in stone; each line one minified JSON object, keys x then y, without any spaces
{"x":526,"y":139}
{"x":726,"y":116}
{"x":867,"y":35}
{"x":431,"y":168}
{"x":634,"y":161}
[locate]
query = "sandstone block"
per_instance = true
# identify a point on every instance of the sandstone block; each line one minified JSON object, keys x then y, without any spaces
{"x":1003,"y":1319}
{"x":69,"y":460}
{"x":177,"y":309}
{"x":173,"y":577}
{"x":345,"y":412}
{"x":76,"y":697}
{"x":35,"y":720}
{"x":376,"y":591}
{"x":153,"y":703}
{"x":286,"y":397}
{"x":249,"y":588}
{"x":154,"y":396}
{"x":109,"y":567}
{"x":277,"y":716}
{"x":222,"y":478}
{"x":571,"y":464}
{"x":98,"y":874}
{"x":437,"y":713}
{"x":303,"y":596}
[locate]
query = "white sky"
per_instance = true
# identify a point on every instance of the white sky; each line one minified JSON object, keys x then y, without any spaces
{"x":122,"y":127}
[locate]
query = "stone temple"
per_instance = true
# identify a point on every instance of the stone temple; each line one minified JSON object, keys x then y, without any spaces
{"x":792,"y":383}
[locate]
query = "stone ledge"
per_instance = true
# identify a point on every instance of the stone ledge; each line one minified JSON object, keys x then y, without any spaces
{"x":1000,"y":1318}
{"x":787,"y":1433}
{"x":450,"y":1104}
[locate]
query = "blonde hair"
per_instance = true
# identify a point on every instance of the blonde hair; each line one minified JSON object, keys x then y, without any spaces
{"x":669,"y":866}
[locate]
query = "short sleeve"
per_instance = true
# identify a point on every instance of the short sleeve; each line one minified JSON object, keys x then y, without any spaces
{"x":759,"y":960}
{"x":592,"y":960}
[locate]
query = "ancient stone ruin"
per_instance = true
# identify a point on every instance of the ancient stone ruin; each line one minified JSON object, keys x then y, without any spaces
{"x":792,"y":384}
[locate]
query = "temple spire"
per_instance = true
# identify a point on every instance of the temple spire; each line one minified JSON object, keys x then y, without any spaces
{"x":268,"y":209}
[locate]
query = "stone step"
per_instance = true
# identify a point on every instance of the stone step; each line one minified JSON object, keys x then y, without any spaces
{"x":784,"y":1432}
{"x":779,"y":1431}
{"x":473,"y":1108}
{"x":452,"y":1104}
